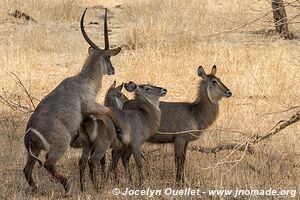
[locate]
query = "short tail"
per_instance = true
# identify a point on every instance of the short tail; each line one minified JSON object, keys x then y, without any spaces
{"x":97,"y":125}
{"x":91,"y":126}
{"x":27,"y":142}
{"x":117,"y":127}
{"x":113,"y":119}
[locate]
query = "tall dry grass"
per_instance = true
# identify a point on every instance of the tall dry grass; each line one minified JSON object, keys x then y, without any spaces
{"x":163,"y":42}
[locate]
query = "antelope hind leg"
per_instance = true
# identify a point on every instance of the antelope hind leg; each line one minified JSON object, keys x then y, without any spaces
{"x":52,"y":157}
{"x":29,"y":167}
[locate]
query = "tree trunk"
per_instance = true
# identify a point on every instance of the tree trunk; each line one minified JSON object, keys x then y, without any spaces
{"x":280,"y":19}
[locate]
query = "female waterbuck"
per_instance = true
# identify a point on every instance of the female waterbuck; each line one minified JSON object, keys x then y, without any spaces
{"x":184,"y":116}
{"x":137,"y":126}
{"x":114,"y":96}
{"x":56,"y":120}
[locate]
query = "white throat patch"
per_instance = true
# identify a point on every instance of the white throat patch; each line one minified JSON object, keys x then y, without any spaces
{"x":119,"y":103}
{"x":210,"y":97}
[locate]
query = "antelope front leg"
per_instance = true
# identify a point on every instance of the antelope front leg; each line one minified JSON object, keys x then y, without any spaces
{"x":125,"y":162}
{"x":138,"y":159}
{"x":115,"y":154}
{"x":180,"y":147}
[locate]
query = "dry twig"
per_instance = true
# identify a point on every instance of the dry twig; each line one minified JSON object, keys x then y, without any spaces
{"x":278,"y":127}
{"x":263,"y":15}
{"x":227,"y":146}
{"x":16,"y":105}
{"x":30,"y":97}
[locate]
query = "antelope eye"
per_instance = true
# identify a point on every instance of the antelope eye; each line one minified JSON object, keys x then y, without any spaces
{"x":147,"y":88}
{"x":214,"y":81}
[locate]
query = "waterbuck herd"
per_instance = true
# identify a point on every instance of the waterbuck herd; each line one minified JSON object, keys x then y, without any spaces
{"x":70,"y":116}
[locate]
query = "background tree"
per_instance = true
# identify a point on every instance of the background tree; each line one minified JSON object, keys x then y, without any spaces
{"x":280,"y":19}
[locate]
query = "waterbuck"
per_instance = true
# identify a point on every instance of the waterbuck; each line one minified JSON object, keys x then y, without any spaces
{"x":55,"y":122}
{"x":137,"y":126}
{"x":114,"y":96}
{"x":184,"y":116}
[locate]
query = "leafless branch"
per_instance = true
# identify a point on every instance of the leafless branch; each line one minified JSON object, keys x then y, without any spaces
{"x":226,"y":159}
{"x":16,"y":104}
{"x":278,"y":127}
{"x":263,"y":15}
{"x":282,"y":111}
{"x":227,"y":146}
{"x":30,"y":97}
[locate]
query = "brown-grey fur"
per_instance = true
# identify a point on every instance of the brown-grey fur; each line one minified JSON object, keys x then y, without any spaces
{"x":114,"y":97}
{"x":95,"y":148}
{"x":137,"y":126}
{"x":56,"y":120}
{"x":183,"y":116}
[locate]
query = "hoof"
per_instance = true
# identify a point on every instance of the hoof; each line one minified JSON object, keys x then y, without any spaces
{"x":67,"y":188}
{"x":67,"y":195}
{"x":33,"y":189}
{"x":119,"y":134}
{"x":119,"y":131}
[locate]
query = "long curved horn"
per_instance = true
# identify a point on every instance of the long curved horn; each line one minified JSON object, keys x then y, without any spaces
{"x":106,"y":41}
{"x":86,"y":37}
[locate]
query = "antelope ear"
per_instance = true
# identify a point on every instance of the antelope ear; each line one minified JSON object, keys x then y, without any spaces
{"x":201,"y":73}
{"x":113,"y":52}
{"x":131,"y":86}
{"x":91,"y":50}
{"x":213,"y":70}
{"x":113,"y":85}
{"x":120,"y":87}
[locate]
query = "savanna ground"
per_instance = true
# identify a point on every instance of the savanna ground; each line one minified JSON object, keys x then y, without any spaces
{"x":163,"y":43}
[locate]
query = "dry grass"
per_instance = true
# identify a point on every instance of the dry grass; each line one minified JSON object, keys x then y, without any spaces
{"x":165,"y":42}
